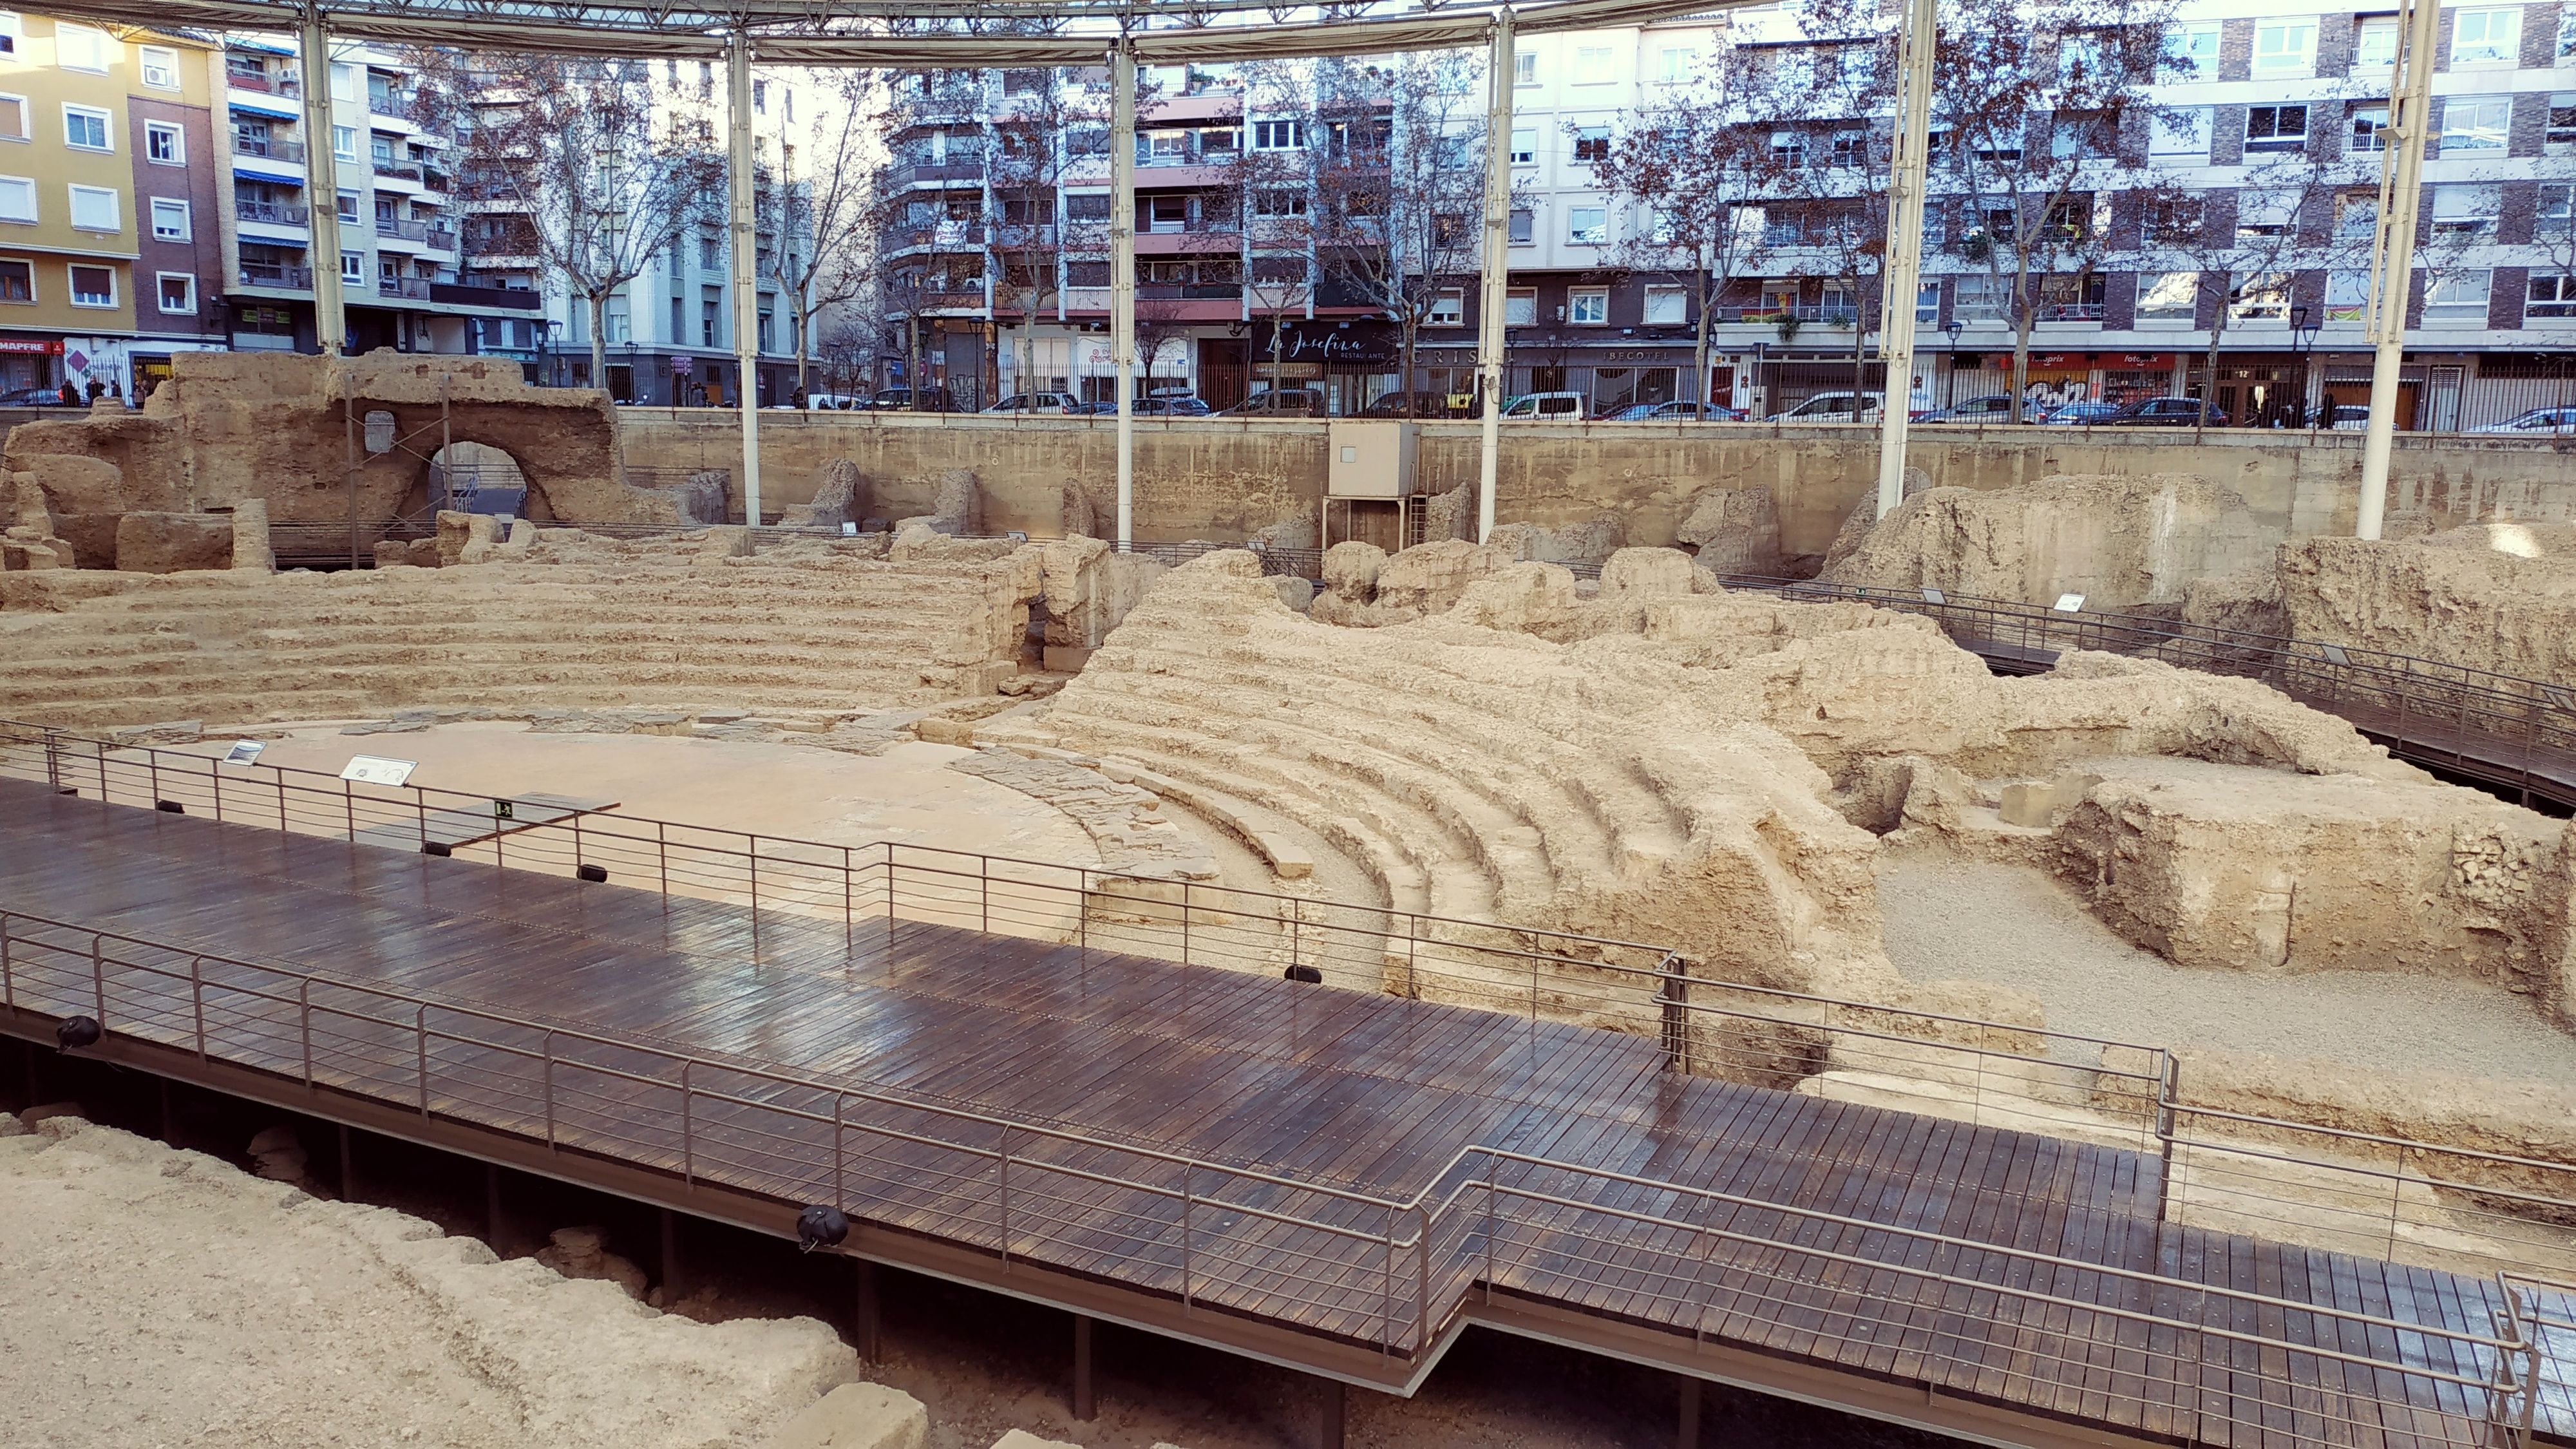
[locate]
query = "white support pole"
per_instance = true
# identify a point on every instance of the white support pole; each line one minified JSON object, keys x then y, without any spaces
{"x":1122,"y":274}
{"x":746,"y":298}
{"x":1496,"y":285}
{"x":1907,"y":168}
{"x":322,"y":190}
{"x":2401,"y":186}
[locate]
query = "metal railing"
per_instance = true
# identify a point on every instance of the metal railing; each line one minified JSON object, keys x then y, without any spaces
{"x":265,"y":275}
{"x":2513,"y":732}
{"x":273,"y":149}
{"x":1387,"y":1274}
{"x":273,"y":212}
{"x":2367,"y":1194}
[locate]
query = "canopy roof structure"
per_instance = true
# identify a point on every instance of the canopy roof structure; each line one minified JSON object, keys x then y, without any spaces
{"x":900,"y":34}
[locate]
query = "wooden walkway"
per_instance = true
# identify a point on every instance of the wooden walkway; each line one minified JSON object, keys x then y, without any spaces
{"x":1295,"y":1107}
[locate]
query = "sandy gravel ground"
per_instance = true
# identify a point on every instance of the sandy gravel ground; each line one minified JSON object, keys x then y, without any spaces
{"x":1950,"y":918}
{"x":152,"y":1297}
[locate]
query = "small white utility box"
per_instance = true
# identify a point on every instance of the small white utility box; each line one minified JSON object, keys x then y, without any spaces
{"x":1371,"y":459}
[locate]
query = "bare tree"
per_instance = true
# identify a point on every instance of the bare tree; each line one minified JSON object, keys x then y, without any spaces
{"x":1398,"y":150}
{"x":1048,"y":126}
{"x":822,"y":222}
{"x":1699,"y":171}
{"x":1270,"y":186}
{"x":608,"y":171}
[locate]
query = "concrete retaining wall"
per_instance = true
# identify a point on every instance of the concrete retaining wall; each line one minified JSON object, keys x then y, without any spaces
{"x":1213,"y":479}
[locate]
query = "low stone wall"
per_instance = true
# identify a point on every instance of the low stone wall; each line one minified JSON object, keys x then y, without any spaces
{"x":1223,"y":479}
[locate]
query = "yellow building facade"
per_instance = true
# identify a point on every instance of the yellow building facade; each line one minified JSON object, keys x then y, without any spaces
{"x":110,"y":243}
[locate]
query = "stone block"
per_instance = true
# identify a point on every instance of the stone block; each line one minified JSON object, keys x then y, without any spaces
{"x":1735,"y":531}
{"x":856,"y":1416}
{"x":945,"y":732}
{"x":1297,"y":593}
{"x":251,"y":551}
{"x":729,"y":541}
{"x":1634,"y":575}
{"x":1064,"y":658}
{"x":841,"y":497}
{"x":169,"y":543}
{"x":1023,"y":1439}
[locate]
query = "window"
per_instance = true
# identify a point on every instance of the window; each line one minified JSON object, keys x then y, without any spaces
{"x":1591,"y":143}
{"x":2375,"y":48}
{"x":1851,"y":149}
{"x":1278,"y":204}
{"x":353,"y":267}
{"x":77,"y":47}
{"x":1591,"y":65}
{"x":2191,"y":51}
{"x":2262,"y":214}
{"x":615,"y":325}
{"x":2347,"y":296}
{"x":13,"y":118}
{"x":2276,"y":128}
{"x":2457,"y":298}
{"x":2180,"y":133}
{"x":2357,"y":215}
{"x":178,"y":294}
{"x":2369,"y":129}
{"x":1927,"y":302}
{"x":17,"y":199}
{"x":347,"y":206}
{"x":1525,"y":67}
{"x":1449,"y":309}
{"x":85,"y":128}
{"x":170,"y":220}
{"x":1587,"y":306}
{"x":2262,"y":297}
{"x":1977,"y":298}
{"x":164,"y":144}
{"x":2551,"y":297}
{"x":1674,"y":64}
{"x":344,"y":142}
{"x":8,"y":33}
{"x":2465,"y":211}
{"x":2566,"y":33}
{"x":1524,"y":146}
{"x":2486,"y":37}
{"x":344,"y":83}
{"x":1667,"y":306}
{"x":161,"y":70}
{"x":2175,"y":220}
{"x":1086,"y":206}
{"x":2285,"y":47}
{"x":2553,"y":212}
{"x":1587,"y":226}
{"x":2475,"y":123}
{"x":93,"y":286}
{"x":96,"y":208}
{"x":1522,"y":229}
{"x":1278,"y":135}
{"x":1788,"y":148}
{"x":17,"y":281}
{"x":2168,"y":299}
{"x":2562,"y":123}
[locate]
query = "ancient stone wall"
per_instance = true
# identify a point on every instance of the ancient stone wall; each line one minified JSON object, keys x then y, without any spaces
{"x":2499,"y":597}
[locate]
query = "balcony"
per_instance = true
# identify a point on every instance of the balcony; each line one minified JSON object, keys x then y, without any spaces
{"x":402,"y":230}
{"x":947,"y":234}
{"x":386,"y":101}
{"x":410,"y":289}
{"x":274,"y":213}
{"x":1187,"y":291}
{"x":440,"y":238}
{"x":398,"y":170}
{"x":266,"y":148}
{"x":263,"y":82}
{"x":2070,"y":311}
{"x":270,"y":274}
{"x":953,"y":169}
{"x":459,"y":294}
{"x":1836,"y":315}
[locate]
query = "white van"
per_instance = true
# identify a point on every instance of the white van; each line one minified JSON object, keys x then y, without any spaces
{"x":1834,"y":407}
{"x":1549,"y":407}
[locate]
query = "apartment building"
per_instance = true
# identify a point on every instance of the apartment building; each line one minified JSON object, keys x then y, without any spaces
{"x":109,"y":237}
{"x":391,"y":186}
{"x":2492,"y":311}
{"x":998,"y":268}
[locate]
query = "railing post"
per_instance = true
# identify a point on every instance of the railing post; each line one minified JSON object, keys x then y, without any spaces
{"x":1186,"y":1299}
{"x":1422,"y":1277}
{"x":1003,"y":1227}
{"x":688,"y":1144}
{"x":546,"y":1044}
{"x":753,"y":855}
{"x":98,"y":751}
{"x":889,"y":857}
{"x":576,"y":844}
{"x":839,"y":1171}
{"x":847,"y":909}
{"x":1185,"y":923}
{"x":215,"y":778}
{"x":196,"y":999}
{"x":53,"y":760}
{"x":349,"y":809}
{"x":8,"y":974}
{"x":662,"y":852}
{"x":420,"y":1038}
{"x":1082,"y":907}
{"x":304,"y":1025}
{"x":1492,"y":1195}
{"x":1386,"y":1305}
{"x":152,"y":768}
{"x":97,"y":981}
{"x":280,"y":776}
{"x":420,"y":808}
{"x":984,"y":889}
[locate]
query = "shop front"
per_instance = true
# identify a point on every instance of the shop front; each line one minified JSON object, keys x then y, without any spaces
{"x":29,"y":365}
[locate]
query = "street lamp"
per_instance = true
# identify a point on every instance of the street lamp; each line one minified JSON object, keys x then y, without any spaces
{"x":1950,"y":394}
{"x":2303,"y":343}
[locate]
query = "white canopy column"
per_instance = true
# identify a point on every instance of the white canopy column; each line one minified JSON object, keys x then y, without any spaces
{"x":2401,"y":186}
{"x":322,"y":190}
{"x":746,"y":298}
{"x":1122,"y":274}
{"x":1497,"y":268}
{"x":1908,"y":166}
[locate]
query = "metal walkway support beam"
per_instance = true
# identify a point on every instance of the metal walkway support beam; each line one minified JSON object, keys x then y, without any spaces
{"x":330,"y":312}
{"x":1122,"y":273}
{"x":1497,"y":269}
{"x":746,"y":299}
{"x":2392,"y":263}
{"x":1086,"y":1405}
{"x":1907,"y":165}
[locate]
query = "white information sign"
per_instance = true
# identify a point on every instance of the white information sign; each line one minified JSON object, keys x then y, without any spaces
{"x":2070,"y":603}
{"x":376,"y":770}
{"x":244,"y":752}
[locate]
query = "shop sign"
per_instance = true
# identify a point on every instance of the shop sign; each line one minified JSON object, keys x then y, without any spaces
{"x":42,"y":349}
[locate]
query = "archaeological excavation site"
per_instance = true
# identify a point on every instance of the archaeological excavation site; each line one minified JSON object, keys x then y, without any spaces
{"x":523,"y":924}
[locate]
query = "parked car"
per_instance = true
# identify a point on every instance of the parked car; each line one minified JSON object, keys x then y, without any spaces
{"x":32,"y":397}
{"x":1279,"y":402}
{"x":2082,"y":414}
{"x":1553,"y":407}
{"x":2165,"y":412}
{"x":1835,"y":407}
{"x":900,"y":400}
{"x":1409,"y":405}
{"x":2538,"y":420}
{"x":1669,"y":411}
{"x":1180,"y":405}
{"x":1989,"y":408}
{"x":2347,"y":418}
{"x":835,"y":402}
{"x":1033,"y":402}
